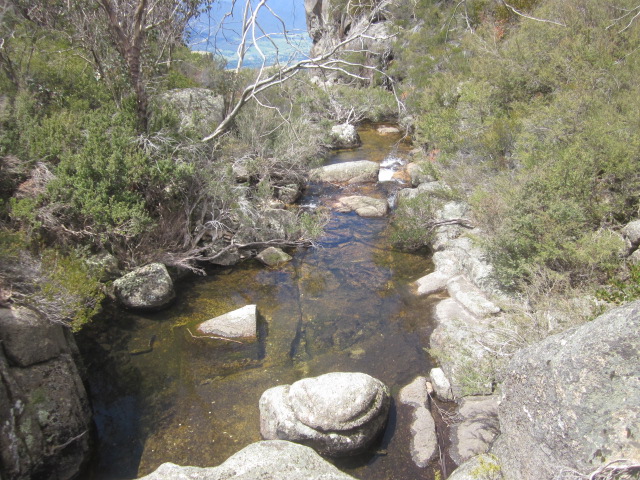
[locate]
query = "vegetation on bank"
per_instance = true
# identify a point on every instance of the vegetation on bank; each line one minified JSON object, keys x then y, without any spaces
{"x":530,"y":111}
{"x":94,"y":163}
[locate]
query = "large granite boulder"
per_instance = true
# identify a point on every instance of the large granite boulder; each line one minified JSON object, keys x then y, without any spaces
{"x":45,"y":417}
{"x":198,"y":109}
{"x":145,"y":288}
{"x":337,"y":414}
{"x":572,"y":401}
{"x":270,"y":460}
{"x":240,"y":323}
{"x":360,"y":171}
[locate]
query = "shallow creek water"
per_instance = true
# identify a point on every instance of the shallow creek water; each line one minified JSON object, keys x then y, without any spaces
{"x":345,"y":306}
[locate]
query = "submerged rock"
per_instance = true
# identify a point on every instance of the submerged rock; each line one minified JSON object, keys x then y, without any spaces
{"x":345,"y":135}
{"x":573,"y":400}
{"x":387,"y":130}
{"x":337,"y":414}
{"x":241,"y":323}
{"x":360,"y":171}
{"x":424,"y":441}
{"x":363,"y":206}
{"x":273,"y":256}
{"x":268,"y":460}
{"x":146,"y":288}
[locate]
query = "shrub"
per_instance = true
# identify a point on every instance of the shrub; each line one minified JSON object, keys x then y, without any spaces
{"x":409,"y":225}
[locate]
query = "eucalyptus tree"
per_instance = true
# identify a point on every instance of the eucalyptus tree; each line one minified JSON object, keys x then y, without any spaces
{"x":121,"y":39}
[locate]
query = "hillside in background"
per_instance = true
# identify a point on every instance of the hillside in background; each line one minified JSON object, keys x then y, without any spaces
{"x":218,"y":33}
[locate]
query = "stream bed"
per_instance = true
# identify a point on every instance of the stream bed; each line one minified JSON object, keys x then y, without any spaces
{"x":343,"y":306}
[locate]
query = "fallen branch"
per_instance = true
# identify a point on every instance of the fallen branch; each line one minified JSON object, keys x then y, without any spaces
{"x":213,"y":337}
{"x":524,"y":15}
{"x":68,"y":442}
{"x":463,"y":222}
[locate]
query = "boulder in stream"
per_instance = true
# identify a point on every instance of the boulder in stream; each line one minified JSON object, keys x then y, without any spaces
{"x":363,"y":206}
{"x":269,"y":460}
{"x":345,"y":135}
{"x":359,"y":171}
{"x":145,"y":288}
{"x":240,"y":323}
{"x":337,"y":414}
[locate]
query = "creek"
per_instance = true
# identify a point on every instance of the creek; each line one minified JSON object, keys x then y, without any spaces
{"x":343,"y":306}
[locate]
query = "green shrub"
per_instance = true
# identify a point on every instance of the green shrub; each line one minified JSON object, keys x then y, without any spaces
{"x":71,"y":287}
{"x":622,"y":290}
{"x":100,"y":182}
{"x":409,"y":225}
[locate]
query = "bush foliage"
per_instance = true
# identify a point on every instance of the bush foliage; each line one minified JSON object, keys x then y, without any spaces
{"x":541,"y":114}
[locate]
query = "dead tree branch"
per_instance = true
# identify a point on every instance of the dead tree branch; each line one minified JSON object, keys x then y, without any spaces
{"x":524,"y":15}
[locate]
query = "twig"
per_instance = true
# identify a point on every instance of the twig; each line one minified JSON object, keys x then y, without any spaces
{"x":524,"y":15}
{"x":68,"y":442}
{"x":213,"y":337}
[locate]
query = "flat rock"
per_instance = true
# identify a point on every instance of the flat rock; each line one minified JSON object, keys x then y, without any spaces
{"x":424,"y":441}
{"x":460,"y":355}
{"x":441,"y":385}
{"x":337,"y":414}
{"x":145,"y":288}
{"x":267,"y":460}
{"x":241,"y":323}
{"x":359,"y":171}
{"x":387,"y":130}
{"x":428,"y":189}
{"x":475,"y":429}
{"x":363,"y":206}
{"x":273,"y":256}
{"x":573,"y":399}
{"x":470,"y":297}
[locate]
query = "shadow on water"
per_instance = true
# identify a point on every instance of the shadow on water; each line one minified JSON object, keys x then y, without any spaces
{"x":345,"y":306}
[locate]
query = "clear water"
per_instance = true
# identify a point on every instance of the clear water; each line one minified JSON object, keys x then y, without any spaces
{"x":345,"y":306}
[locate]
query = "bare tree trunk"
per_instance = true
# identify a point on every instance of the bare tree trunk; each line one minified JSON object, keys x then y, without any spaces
{"x":130,"y":47}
